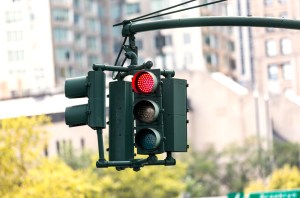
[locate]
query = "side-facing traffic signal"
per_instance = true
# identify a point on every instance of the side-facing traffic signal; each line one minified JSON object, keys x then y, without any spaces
{"x":93,"y":113}
{"x":121,"y":133}
{"x":175,"y":114}
{"x":147,"y":111}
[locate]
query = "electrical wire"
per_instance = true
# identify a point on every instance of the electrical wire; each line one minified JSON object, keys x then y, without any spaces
{"x":116,"y":62}
{"x":189,"y":8}
{"x":156,"y":12}
{"x":144,"y":17}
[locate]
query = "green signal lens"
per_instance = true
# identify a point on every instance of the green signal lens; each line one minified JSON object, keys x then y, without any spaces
{"x":148,"y":139}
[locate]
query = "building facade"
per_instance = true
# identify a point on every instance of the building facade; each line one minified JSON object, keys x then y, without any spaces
{"x":44,"y":42}
{"x":206,"y":49}
{"x":271,"y":54}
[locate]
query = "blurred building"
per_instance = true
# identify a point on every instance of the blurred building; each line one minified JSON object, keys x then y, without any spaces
{"x":219,"y":43}
{"x":269,"y":59}
{"x":44,"y":42}
{"x":207,"y":49}
{"x":269,"y":56}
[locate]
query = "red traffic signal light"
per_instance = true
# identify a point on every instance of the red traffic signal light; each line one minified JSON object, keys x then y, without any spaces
{"x":144,"y":82}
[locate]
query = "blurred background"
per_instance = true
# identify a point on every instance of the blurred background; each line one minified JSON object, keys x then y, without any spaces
{"x":243,"y":97}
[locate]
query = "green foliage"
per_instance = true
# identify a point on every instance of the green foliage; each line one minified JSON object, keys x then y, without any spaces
{"x":286,"y":153}
{"x":24,"y":173}
{"x":285,"y":178}
{"x":242,"y":163}
{"x":213,"y":173}
{"x":202,"y":177}
{"x":77,"y":160}
{"x":152,"y":181}
{"x":55,"y":178}
{"x":21,"y":142}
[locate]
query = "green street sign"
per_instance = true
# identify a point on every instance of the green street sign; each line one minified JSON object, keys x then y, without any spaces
{"x":276,"y":194}
{"x":235,"y":195}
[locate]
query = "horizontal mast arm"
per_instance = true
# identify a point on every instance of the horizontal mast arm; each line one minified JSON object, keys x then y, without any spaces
{"x":132,"y":28}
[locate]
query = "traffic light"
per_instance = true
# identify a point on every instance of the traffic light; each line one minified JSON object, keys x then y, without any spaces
{"x":175,"y":114}
{"x":92,"y":113}
{"x":147,"y":111}
{"x":121,"y":133}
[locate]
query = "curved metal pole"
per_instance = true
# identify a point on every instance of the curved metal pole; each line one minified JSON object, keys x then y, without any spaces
{"x":132,"y":28}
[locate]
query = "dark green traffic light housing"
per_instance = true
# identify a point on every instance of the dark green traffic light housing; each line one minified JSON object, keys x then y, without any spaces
{"x":92,"y":113}
{"x":148,"y":113}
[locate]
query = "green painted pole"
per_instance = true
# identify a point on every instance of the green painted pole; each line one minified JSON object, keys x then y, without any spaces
{"x":132,"y":28}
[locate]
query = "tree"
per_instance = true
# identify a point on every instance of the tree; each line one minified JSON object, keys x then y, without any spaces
{"x":150,"y":181}
{"x":25,"y":173}
{"x":76,"y":160}
{"x":202,"y":177}
{"x":286,"y":153}
{"x":21,"y":142}
{"x":243,"y":163}
{"x":53,"y":178}
{"x":286,"y":177}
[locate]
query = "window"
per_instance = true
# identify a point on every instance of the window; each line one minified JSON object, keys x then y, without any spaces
{"x":282,"y":1}
{"x":59,"y":14}
{"x":79,"y":57}
{"x":230,"y":46}
{"x":271,"y":49}
{"x":188,"y":58}
{"x":77,"y":19}
{"x":168,"y":40}
{"x":13,"y":16}
{"x":115,"y":12}
{"x":15,"y":55}
{"x":92,"y":43}
{"x":132,"y":8}
{"x":77,"y":3}
{"x":287,"y":71}
{"x":92,"y":25}
{"x":62,"y":54}
{"x":92,"y":60}
{"x":89,"y":4}
{"x":273,"y":72}
{"x":79,"y":40}
{"x":186,"y":38}
{"x":232,"y":64}
{"x":267,"y":2}
{"x":60,"y":34}
{"x":13,"y":36}
{"x":139,"y":43}
{"x":283,"y":15}
{"x":157,"y":5}
{"x":286,"y":46}
{"x":211,"y":41}
{"x":105,"y":49}
{"x":211,"y":59}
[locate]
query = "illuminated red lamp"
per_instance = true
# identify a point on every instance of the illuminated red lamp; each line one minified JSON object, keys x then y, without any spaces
{"x":144,"y":82}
